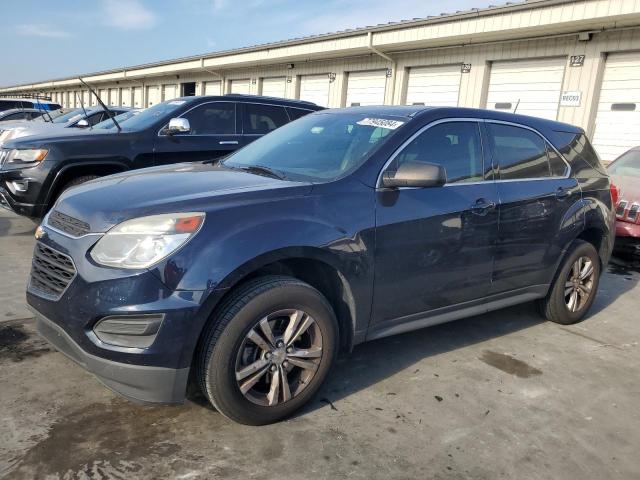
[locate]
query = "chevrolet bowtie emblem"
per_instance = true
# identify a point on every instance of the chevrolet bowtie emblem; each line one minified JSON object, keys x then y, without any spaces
{"x":40,"y":233}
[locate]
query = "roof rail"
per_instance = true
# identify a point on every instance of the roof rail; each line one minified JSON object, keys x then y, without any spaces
{"x":35,"y":96}
{"x":292,"y":100}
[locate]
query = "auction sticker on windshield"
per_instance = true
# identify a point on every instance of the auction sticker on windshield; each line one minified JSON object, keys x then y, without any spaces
{"x":381,"y":122}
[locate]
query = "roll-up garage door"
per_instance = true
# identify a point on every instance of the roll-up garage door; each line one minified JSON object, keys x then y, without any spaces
{"x":137,"y":97}
{"x":436,"y":86}
{"x":315,"y":88}
{"x":169,"y":92}
{"x":212,"y":88}
{"x":104,"y":96}
{"x":87,"y":98}
{"x":125,"y":99}
{"x":274,"y":87}
{"x":114,"y":97}
{"x":618,"y":117}
{"x":533,"y":86}
{"x":366,"y":88}
{"x":153,"y":95}
{"x":240,"y":86}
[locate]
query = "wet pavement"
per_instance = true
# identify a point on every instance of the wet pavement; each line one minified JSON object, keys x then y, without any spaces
{"x":502,"y":395}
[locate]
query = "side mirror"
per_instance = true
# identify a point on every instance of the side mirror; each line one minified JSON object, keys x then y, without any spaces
{"x":82,"y":124}
{"x":178,"y":125}
{"x":415,"y":174}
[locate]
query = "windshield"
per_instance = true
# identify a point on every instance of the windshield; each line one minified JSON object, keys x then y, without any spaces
{"x":68,"y":116}
{"x":318,"y":147}
{"x":627,"y":164}
{"x":151,"y":115}
{"x":53,"y":114}
{"x":123,"y":117}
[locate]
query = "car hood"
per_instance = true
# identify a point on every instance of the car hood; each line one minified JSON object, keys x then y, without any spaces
{"x":186,"y":187}
{"x":35,"y":139}
{"x":12,"y":131}
{"x":628,"y":186}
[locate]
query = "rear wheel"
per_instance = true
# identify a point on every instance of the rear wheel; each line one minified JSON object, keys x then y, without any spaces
{"x":575,"y":286}
{"x":269,"y":351}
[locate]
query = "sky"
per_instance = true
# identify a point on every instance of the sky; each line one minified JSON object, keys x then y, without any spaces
{"x":44,"y":39}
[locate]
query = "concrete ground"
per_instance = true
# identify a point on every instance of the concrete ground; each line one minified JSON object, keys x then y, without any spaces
{"x":503,"y":395}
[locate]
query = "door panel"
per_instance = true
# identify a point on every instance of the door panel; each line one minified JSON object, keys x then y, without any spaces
{"x":534,"y":198}
{"x":435,"y":246}
{"x":213,"y":135}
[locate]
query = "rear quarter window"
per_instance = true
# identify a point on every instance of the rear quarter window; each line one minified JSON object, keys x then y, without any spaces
{"x":580,"y":154}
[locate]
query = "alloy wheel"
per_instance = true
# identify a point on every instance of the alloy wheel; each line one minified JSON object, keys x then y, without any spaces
{"x":579,"y":284}
{"x":279,"y":357}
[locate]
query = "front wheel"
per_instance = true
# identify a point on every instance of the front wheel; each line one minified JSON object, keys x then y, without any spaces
{"x":574,"y":288}
{"x":269,"y":350}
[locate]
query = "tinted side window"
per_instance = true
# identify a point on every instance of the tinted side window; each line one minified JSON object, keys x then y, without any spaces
{"x":556,"y":164}
{"x":296,"y":113}
{"x":261,"y":119}
{"x":520,"y":153}
{"x":217,"y":118}
{"x":454,"y":145}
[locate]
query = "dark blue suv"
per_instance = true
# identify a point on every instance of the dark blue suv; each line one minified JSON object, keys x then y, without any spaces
{"x":251,"y":274}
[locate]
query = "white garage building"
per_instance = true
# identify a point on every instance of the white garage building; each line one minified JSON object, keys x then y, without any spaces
{"x":576,"y":61}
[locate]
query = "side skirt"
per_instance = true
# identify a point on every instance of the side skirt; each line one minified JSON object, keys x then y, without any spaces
{"x":456,"y":312}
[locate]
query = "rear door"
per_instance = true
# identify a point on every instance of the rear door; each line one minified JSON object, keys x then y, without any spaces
{"x":536,"y":192}
{"x":435,"y":246}
{"x":259,"y":119}
{"x":214,"y":133}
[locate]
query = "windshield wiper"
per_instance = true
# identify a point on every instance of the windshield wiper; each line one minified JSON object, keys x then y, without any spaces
{"x":262,"y":170}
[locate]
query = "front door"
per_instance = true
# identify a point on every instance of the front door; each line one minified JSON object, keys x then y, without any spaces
{"x":536,"y":195}
{"x":213,"y":134}
{"x":435,"y":246}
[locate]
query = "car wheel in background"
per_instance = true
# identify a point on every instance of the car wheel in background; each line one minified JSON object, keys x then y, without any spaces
{"x":268,"y":351}
{"x":574,"y":288}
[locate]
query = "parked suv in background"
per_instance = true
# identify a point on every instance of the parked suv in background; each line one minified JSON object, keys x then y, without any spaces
{"x":17,"y":114}
{"x":625,"y":175}
{"x":36,"y":169}
{"x":344,"y":226}
{"x":10,"y":103}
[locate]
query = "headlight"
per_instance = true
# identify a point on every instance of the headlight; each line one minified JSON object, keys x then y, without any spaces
{"x":142,"y":242}
{"x":21,"y":158}
{"x":6,"y":135}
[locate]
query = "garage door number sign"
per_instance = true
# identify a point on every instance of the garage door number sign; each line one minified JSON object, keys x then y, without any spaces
{"x":570,"y":99}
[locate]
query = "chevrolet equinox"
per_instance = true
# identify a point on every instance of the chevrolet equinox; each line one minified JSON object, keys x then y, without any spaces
{"x":250,"y":274}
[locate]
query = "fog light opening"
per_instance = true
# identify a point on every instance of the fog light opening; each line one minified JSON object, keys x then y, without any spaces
{"x":135,"y":331}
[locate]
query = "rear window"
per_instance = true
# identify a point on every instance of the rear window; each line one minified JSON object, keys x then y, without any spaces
{"x":628,"y":164}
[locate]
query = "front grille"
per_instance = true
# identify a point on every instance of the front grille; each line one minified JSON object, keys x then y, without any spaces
{"x":622,"y":206}
{"x":69,"y":225}
{"x":51,"y":272}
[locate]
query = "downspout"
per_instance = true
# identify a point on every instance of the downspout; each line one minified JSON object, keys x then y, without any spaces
{"x":394,"y":63}
{"x":220,"y":76}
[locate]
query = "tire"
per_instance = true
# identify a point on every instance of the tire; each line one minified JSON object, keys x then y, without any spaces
{"x":78,"y":181}
{"x":226,"y":352}
{"x":557,"y":306}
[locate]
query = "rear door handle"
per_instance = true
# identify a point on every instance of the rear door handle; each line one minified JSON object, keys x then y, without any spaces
{"x":563,"y":192}
{"x":482,"y":207}
{"x":228,"y":142}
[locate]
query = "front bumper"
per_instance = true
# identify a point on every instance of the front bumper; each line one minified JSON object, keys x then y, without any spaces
{"x":139,"y":383}
{"x":156,"y":373}
{"x":26,"y":209}
{"x":626,"y":229}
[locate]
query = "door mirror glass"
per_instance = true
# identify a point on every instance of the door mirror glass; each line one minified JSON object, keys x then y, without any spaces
{"x":82,"y":124}
{"x":415,"y":174}
{"x":178,"y":125}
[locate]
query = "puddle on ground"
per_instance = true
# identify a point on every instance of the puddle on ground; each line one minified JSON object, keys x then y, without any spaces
{"x":16,"y":344}
{"x":508,"y":364}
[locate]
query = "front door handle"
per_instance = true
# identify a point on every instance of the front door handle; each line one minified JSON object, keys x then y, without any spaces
{"x":482,"y":207}
{"x":228,"y":142}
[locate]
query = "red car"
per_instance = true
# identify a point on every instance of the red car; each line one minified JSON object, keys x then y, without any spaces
{"x":625,"y":175}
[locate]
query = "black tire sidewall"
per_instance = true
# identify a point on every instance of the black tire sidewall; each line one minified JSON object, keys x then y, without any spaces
{"x":220,"y":379}
{"x":565,"y":316}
